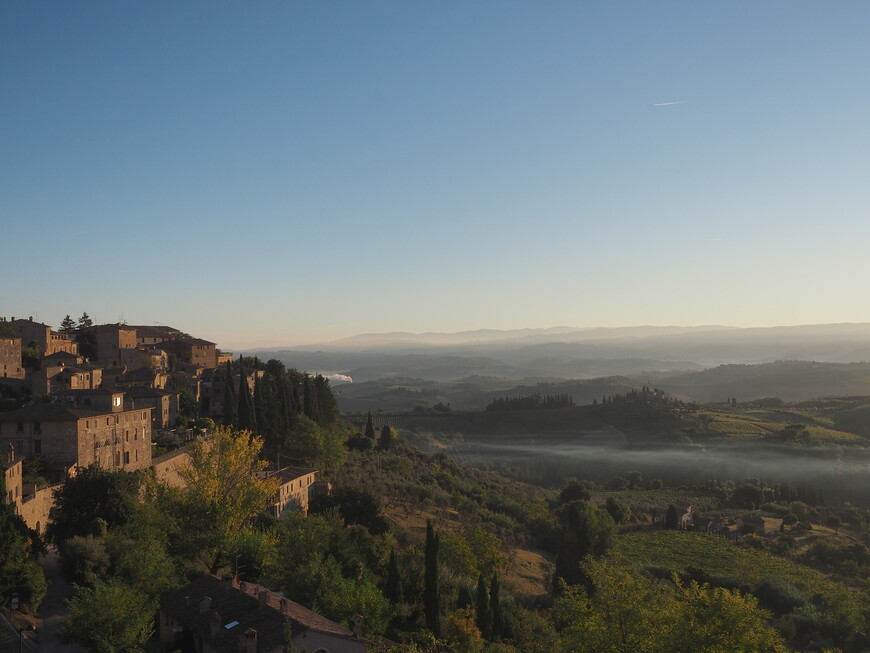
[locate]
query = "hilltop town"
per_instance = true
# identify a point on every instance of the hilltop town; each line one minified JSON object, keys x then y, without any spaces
{"x":96,"y":394}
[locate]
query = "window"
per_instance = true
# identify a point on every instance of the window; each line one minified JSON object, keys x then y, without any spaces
{"x":37,"y":427}
{"x":20,"y":427}
{"x":37,"y":446}
{"x":126,"y":457}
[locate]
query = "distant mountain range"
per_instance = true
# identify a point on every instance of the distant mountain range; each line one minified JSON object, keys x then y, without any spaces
{"x":567,"y":352}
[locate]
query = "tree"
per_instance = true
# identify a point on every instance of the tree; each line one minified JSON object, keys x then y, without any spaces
{"x":19,"y":574}
{"x":387,"y":438}
{"x":224,"y":490}
{"x":629,"y":612}
{"x":574,"y":490}
{"x":431,"y":591}
{"x":85,"y":322}
{"x":619,"y":510}
{"x":586,"y":531}
{"x":747,"y":496}
{"x":67,"y":325}
{"x":109,"y":617}
{"x":92,"y":500}
{"x":327,"y":406}
{"x":484,"y":614}
{"x":246,"y":417}
{"x":393,"y":586}
{"x":370,"y":427}
{"x":495,"y":608}
{"x":230,"y":408}
{"x":672,"y":519}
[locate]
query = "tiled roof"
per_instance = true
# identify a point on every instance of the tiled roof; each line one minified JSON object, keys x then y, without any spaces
{"x":240,"y":603}
{"x":144,"y":392}
{"x":287,"y":474}
{"x":154,"y":331}
{"x":49,"y":413}
{"x":60,"y":354}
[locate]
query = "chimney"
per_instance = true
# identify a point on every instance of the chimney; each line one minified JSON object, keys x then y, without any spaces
{"x":214,"y":624}
{"x":356,"y":625}
{"x":229,"y":581}
{"x":285,"y":604}
{"x":10,"y":454}
{"x":248,"y":641}
{"x":264,"y":598}
{"x":205,"y":604}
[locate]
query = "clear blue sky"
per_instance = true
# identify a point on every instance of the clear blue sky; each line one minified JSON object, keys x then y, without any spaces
{"x":300,"y":171}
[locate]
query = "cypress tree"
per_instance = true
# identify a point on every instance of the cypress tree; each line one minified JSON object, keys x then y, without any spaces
{"x":230,"y":411}
{"x":370,"y":427}
{"x":393,"y":587}
{"x":307,"y":398}
{"x":431,"y":591}
{"x":327,"y":406}
{"x":285,"y":409}
{"x":246,"y":418}
{"x":296,"y":402}
{"x":464,"y":599}
{"x":484,"y":616}
{"x":495,"y":608}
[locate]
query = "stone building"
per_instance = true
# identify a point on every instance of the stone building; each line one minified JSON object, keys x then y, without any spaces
{"x":47,"y":341}
{"x":194,"y":351}
{"x":81,"y":427}
{"x":228,"y":616}
{"x":163,"y":404}
{"x":148,"y":336}
{"x":295,"y":489}
{"x":10,"y":358}
{"x":14,"y":475}
{"x":109,"y":340}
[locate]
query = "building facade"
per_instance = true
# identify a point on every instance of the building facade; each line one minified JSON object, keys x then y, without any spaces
{"x":79,"y":429}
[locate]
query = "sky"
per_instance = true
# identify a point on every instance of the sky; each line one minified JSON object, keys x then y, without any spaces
{"x":290,"y":172}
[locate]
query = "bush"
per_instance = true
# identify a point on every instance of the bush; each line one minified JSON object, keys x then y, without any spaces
{"x":779,"y":596}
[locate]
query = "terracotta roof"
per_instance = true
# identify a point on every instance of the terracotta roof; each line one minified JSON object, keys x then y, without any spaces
{"x":144,"y":392}
{"x":194,"y":341}
{"x":60,"y":354}
{"x":287,"y":474}
{"x":49,"y":413}
{"x":239,"y":602}
{"x":154,"y":331}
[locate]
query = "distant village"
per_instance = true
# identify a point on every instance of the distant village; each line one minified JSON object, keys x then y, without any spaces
{"x":96,"y":393}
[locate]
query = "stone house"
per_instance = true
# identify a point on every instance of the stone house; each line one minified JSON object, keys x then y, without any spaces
{"x":47,"y":341}
{"x":151,"y":358}
{"x":10,"y":358}
{"x":110,"y":340}
{"x":33,"y":504}
{"x":228,"y":616}
{"x":194,"y":351}
{"x":294,"y":492}
{"x":79,"y":428}
{"x":163,"y":404}
{"x":62,"y":371}
{"x":148,"y":336}
{"x":14,"y":476}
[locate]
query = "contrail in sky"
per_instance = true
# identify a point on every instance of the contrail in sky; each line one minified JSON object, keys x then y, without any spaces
{"x":667,"y":104}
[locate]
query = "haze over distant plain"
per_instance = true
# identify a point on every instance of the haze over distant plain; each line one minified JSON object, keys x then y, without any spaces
{"x":281,"y":173}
